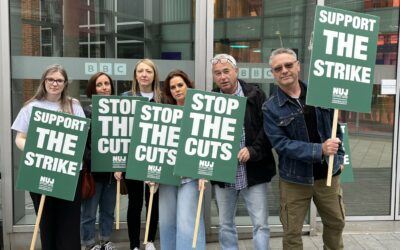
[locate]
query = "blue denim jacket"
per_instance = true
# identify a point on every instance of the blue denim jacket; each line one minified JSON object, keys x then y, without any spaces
{"x":286,"y":129}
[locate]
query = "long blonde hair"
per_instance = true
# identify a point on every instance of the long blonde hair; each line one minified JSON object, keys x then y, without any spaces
{"x":41,"y":92}
{"x":155,"y":85}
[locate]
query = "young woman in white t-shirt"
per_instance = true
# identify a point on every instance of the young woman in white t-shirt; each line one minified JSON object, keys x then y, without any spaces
{"x":60,"y":222}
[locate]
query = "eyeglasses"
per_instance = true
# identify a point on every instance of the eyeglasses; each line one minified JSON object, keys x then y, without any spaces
{"x":52,"y":81}
{"x":288,"y":65}
{"x":222,"y":60}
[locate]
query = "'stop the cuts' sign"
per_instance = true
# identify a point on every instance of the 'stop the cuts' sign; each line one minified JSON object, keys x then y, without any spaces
{"x":154,"y":145}
{"x":112,"y":122}
{"x":53,"y":153}
{"x":343,"y":59}
{"x":210,"y":136}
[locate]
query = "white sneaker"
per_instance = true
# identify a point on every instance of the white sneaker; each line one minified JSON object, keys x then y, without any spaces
{"x":94,"y":247}
{"x":136,"y":248}
{"x":150,"y":246}
{"x":109,"y":246}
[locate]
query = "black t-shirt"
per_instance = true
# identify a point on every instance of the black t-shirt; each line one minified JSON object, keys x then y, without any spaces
{"x":320,"y":169}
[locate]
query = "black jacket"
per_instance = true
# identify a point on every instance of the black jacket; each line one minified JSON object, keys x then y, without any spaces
{"x":260,"y":167}
{"x":87,"y":156}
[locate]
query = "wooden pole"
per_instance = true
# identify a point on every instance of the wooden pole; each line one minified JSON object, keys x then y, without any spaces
{"x":118,"y":194}
{"x":199,"y":206}
{"x":146,"y":235}
{"x":331,"y":157}
{"x":38,"y":218}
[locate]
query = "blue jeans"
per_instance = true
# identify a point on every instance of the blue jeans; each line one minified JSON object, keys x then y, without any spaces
{"x":104,"y":198}
{"x":177,"y":213}
{"x":255,"y":198}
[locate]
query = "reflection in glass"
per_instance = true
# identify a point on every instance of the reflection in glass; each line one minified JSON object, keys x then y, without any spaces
{"x":371,"y":134}
{"x":107,"y":29}
{"x":249,"y":31}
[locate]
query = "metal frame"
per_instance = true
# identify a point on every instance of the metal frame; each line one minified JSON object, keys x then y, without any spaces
{"x":396,"y":157}
{"x":395,"y":187}
{"x":204,"y":51}
{"x":5,"y":113}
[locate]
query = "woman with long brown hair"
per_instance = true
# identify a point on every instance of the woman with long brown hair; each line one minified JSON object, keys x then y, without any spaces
{"x":178,"y":204}
{"x":104,"y":198}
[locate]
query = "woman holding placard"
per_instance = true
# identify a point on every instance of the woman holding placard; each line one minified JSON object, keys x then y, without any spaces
{"x":105,"y":196}
{"x":178,"y":204}
{"x":145,"y":83}
{"x":60,"y":221}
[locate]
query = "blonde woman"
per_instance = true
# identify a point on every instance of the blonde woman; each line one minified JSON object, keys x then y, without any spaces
{"x":60,"y":223}
{"x":145,"y":83}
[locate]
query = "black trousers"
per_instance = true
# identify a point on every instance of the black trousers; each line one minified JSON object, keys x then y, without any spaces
{"x":135,"y":204}
{"x":60,"y":222}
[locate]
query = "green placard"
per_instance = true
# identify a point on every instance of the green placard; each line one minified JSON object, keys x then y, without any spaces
{"x":112,"y":122}
{"x":342,"y":60}
{"x":154,"y":145}
{"x":347,"y":174}
{"x":212,"y":126}
{"x":53,"y":153}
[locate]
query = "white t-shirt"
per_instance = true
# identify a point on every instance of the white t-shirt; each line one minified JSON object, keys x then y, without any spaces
{"x":21,"y":123}
{"x":148,"y":95}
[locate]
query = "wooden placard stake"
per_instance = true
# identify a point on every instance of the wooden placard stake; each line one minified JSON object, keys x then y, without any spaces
{"x":199,"y":206}
{"x":117,"y":204}
{"x":146,"y":235}
{"x":331,"y":157}
{"x":38,"y":218}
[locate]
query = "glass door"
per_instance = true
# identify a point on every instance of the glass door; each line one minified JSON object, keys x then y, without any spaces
{"x":249,"y":31}
{"x":372,"y":135}
{"x":87,"y":36}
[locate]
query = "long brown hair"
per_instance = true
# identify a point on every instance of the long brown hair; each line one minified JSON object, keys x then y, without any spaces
{"x":41,"y":92}
{"x":91,"y":87}
{"x":166,"y":95}
{"x":155,"y":86}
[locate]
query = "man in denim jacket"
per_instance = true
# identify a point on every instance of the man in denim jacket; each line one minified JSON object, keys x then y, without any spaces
{"x":301,"y":135}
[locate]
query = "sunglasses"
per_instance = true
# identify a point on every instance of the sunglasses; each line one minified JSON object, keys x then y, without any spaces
{"x":288,"y":65}
{"x":222,"y":60}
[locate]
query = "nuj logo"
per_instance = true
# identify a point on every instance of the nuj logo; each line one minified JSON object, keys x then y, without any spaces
{"x":153,"y":168}
{"x":47,"y":180}
{"x":46,"y":183}
{"x":119,"y":159}
{"x":206,"y":164}
{"x":340,"y":92}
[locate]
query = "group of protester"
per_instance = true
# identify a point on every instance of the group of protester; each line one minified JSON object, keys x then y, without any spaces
{"x":299,"y":133}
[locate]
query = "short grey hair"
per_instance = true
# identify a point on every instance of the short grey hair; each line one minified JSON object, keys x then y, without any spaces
{"x":282,"y":51}
{"x":231,"y":59}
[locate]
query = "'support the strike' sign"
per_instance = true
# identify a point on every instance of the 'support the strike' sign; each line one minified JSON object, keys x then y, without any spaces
{"x":343,"y":59}
{"x":53,"y":153}
{"x":112,"y":121}
{"x":154,"y":145}
{"x":211,"y":129}
{"x":347,"y":172}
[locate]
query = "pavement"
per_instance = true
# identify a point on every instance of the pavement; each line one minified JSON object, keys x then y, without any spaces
{"x":376,"y":235}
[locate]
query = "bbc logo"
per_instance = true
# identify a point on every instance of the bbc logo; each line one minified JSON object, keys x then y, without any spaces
{"x":117,"y":69}
{"x":255,"y":73}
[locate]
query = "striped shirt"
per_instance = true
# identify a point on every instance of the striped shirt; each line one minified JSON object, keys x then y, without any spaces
{"x":241,"y":175}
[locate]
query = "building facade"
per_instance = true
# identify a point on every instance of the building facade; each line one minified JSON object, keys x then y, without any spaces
{"x":87,"y":36}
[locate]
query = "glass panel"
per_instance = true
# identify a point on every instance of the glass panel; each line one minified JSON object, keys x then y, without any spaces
{"x":371,"y":135}
{"x":249,"y":31}
{"x":234,"y":9}
{"x":87,"y":36}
